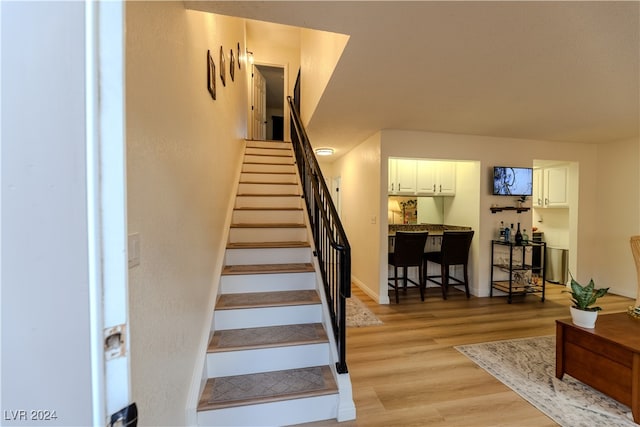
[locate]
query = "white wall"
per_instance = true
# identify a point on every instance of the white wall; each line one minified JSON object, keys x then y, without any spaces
{"x":361,"y":215}
{"x":463,"y":210}
{"x":183,"y":151}
{"x":267,"y":52}
{"x":45,"y":291}
{"x":319,"y":54}
{"x":617,"y":216}
{"x":555,"y":225}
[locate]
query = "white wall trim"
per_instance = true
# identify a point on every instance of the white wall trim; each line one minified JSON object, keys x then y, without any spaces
{"x":199,"y":377}
{"x":106,"y":204}
{"x":381,"y":298}
{"x":98,"y":398}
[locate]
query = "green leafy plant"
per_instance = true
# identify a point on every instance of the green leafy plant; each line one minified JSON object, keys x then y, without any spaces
{"x":583,"y":297}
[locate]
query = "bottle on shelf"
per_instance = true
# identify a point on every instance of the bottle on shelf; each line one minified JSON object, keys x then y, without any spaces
{"x":507,"y":237}
{"x":512,"y":234}
{"x":518,"y":237}
{"x":500,"y":234}
{"x":525,"y":236}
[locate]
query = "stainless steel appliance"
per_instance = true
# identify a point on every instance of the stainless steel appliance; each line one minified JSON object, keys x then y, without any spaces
{"x":557,"y":265}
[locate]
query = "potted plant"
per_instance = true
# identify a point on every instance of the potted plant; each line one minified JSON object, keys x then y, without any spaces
{"x":583,"y":311}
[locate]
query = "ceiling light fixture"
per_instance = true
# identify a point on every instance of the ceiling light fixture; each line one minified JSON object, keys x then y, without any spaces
{"x":326,"y":151}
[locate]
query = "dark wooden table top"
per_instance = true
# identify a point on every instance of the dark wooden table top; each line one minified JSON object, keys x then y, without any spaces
{"x":616,"y":327}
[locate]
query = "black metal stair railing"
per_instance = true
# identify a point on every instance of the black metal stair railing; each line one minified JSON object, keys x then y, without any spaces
{"x":331,"y":244}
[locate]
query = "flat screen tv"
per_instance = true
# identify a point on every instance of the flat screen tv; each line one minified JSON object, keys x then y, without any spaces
{"x":511,"y":181}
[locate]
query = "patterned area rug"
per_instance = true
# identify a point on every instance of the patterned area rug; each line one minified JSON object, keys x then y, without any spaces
{"x":358,"y":315}
{"x":527,"y":366}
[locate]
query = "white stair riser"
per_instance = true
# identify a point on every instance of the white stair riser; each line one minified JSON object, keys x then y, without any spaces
{"x":282,"y":413}
{"x":222,"y":364}
{"x":267,"y":256}
{"x":268,"y":144}
{"x":268,"y":217}
{"x":249,"y":158}
{"x":268,"y":177}
{"x":268,"y":202}
{"x":241,"y":283}
{"x":268,"y":150}
{"x":268,"y":316}
{"x":268,"y":189}
{"x":248,"y":235}
{"x":262,"y":168}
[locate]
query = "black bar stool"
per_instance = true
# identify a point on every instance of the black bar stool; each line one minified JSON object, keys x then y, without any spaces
{"x":454,"y":251}
{"x":408,"y":252}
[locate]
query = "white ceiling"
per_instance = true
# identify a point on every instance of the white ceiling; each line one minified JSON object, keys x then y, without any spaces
{"x":558,"y":71}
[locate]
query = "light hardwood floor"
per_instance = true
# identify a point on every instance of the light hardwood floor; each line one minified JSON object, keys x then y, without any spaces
{"x":407,"y":373}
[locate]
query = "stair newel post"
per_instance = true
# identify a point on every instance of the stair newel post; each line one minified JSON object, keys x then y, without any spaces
{"x":345,"y":292}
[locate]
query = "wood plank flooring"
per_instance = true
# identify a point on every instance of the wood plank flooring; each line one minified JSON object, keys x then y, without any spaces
{"x":407,"y":373}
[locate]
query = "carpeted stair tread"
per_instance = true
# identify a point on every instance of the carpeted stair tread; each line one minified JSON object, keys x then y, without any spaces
{"x":266,"y":337}
{"x":267,"y":268}
{"x":268,"y":245}
{"x":241,"y":390}
{"x":268,"y":225}
{"x":267,"y":299}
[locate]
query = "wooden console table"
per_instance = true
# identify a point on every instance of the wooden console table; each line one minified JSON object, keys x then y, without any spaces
{"x":607,"y":357}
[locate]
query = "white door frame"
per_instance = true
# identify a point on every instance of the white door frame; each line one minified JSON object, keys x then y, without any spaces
{"x":106,"y":202}
{"x":285,"y":104}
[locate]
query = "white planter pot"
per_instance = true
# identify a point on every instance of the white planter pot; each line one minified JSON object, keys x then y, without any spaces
{"x":584,"y":319}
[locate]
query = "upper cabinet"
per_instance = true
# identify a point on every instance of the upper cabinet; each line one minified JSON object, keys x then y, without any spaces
{"x":436,"y":178}
{"x":402,"y":176}
{"x":422,"y":177}
{"x":550,"y":187}
{"x":538,"y":196}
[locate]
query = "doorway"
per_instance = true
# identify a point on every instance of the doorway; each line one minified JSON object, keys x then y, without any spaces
{"x":268,"y":106}
{"x":335,"y":194}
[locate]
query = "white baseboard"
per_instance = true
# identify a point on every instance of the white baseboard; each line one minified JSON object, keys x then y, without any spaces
{"x":381,"y":299}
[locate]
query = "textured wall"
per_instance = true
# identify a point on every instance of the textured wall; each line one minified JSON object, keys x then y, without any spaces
{"x":183,"y":150}
{"x":359,"y":170}
{"x":618,"y":215}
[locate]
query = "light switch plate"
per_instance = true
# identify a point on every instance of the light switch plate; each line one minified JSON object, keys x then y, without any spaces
{"x":133,"y":249}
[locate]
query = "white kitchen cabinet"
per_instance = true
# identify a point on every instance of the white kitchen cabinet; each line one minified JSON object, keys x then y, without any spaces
{"x":538,"y":196}
{"x":426,"y":177}
{"x":446,"y":178}
{"x":435,"y":178}
{"x":550,"y":187}
{"x":556,"y":193}
{"x":402,"y":176}
{"x":433,"y":243}
{"x":393,"y":169}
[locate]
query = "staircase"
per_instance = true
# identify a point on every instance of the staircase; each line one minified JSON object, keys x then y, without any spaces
{"x":269,"y":360}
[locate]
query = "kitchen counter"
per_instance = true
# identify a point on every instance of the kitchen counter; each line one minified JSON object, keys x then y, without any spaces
{"x":433,"y":229}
